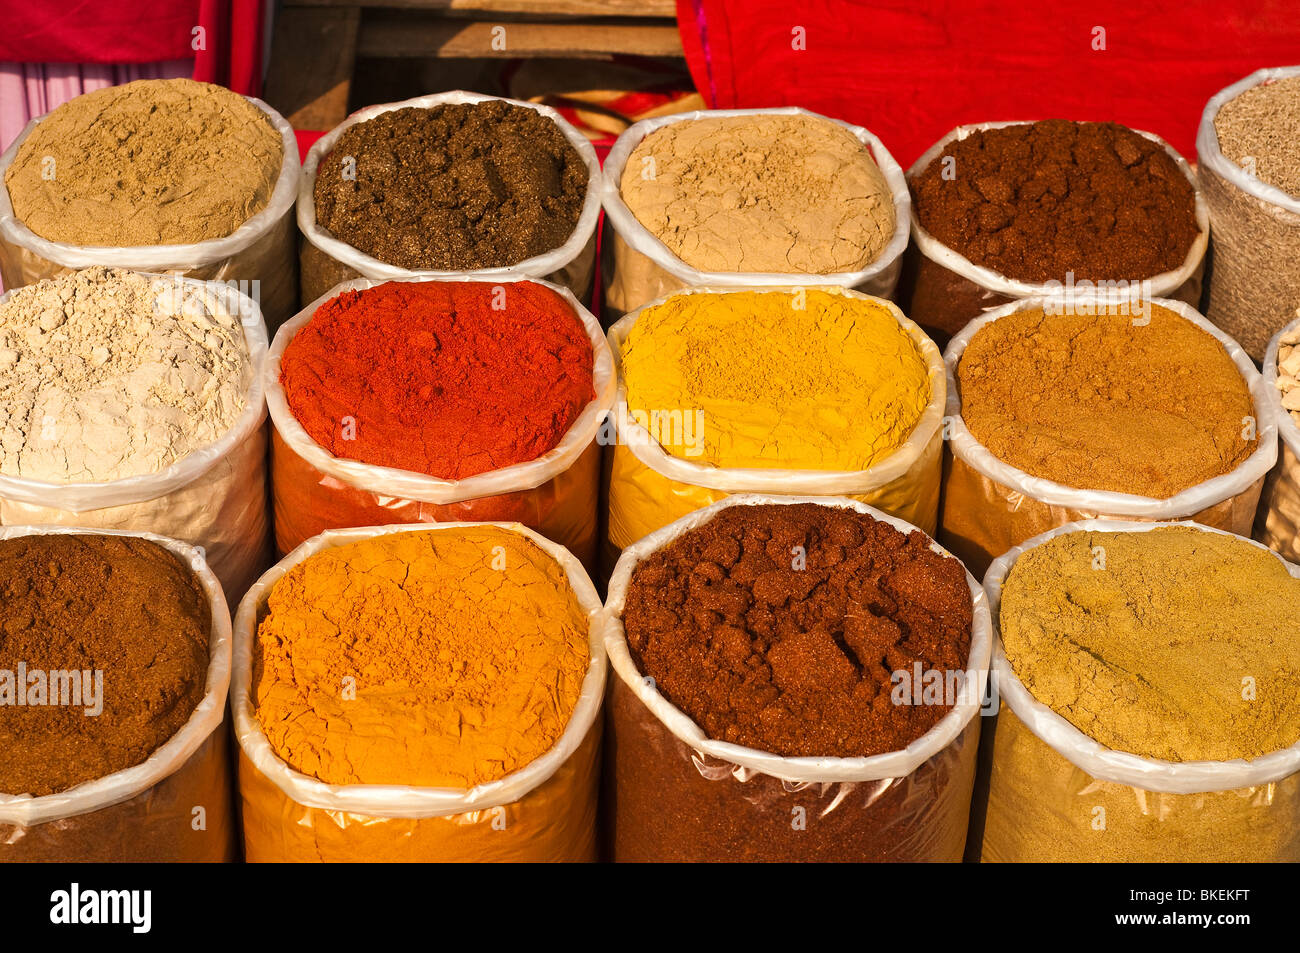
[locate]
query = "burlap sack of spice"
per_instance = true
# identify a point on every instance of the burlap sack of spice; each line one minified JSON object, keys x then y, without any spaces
{"x":326,"y":261}
{"x":175,"y":805}
{"x":555,"y":494}
{"x":638,"y":267}
{"x":650,"y":488}
{"x":260,"y":257}
{"x":1277,"y":524}
{"x":214,"y":498}
{"x":543,"y":812}
{"x":1255,"y":278}
{"x":710,"y":800}
{"x":1049,"y":779}
{"x":949,"y":290}
{"x":990,"y":506}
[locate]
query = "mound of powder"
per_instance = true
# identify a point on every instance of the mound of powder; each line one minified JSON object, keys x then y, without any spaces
{"x":1181,"y":646}
{"x":1038,"y":200}
{"x":454,"y":187}
{"x":1261,"y":129}
{"x":154,"y":162}
{"x":796,"y":654}
{"x":445,"y":378}
{"x":464,"y":651}
{"x":812,"y":381}
{"x":105,"y":641}
{"x":1098,"y":403}
{"x":786,"y":194}
{"x":106,"y":374}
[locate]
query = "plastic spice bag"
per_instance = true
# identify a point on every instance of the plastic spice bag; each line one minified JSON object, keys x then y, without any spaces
{"x":555,"y":494}
{"x":990,"y":506}
{"x":326,"y":261}
{"x":1277,"y":524}
{"x":649,"y":487}
{"x":674,"y":794}
{"x":639,"y":268}
{"x":1255,"y":278}
{"x":1056,"y":795}
{"x":173,"y":806}
{"x":214,"y":498}
{"x":260,"y":256}
{"x":543,"y":812}
{"x":950,"y":290}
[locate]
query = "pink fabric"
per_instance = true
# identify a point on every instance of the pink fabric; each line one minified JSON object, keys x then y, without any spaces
{"x":28,"y":90}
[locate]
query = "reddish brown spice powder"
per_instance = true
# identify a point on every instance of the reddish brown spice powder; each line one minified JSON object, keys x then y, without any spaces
{"x":1037,"y":200}
{"x":778,"y":627}
{"x":124,"y":607}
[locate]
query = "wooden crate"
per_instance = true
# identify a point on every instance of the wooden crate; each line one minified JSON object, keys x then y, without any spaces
{"x":316,"y":42}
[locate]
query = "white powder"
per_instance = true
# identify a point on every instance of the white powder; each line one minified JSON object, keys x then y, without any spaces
{"x":106,"y":374}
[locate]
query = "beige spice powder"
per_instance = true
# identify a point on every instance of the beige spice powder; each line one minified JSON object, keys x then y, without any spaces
{"x":1260,"y":130}
{"x":786,"y":194}
{"x":154,"y":162}
{"x":106,"y":374}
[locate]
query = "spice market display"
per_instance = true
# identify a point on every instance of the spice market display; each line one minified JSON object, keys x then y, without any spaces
{"x":380,"y":500}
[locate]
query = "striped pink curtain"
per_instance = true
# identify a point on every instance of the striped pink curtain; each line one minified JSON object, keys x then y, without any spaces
{"x":28,"y":90}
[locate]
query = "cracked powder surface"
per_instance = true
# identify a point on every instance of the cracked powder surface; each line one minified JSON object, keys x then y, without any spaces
{"x":106,"y":374}
{"x":779,"y":194}
{"x":443,"y":658}
{"x":1177,"y":643}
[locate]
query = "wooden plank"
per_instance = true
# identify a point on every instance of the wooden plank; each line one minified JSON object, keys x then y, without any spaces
{"x":403,"y":35}
{"x":312,"y":54}
{"x":539,"y":8}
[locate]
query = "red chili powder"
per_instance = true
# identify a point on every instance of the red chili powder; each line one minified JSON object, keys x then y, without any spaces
{"x":431,"y":377}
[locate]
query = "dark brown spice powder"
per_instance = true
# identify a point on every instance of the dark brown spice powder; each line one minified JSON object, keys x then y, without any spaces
{"x":1035,"y":201}
{"x":797,"y":659}
{"x":457,"y":186}
{"x":122,"y":605}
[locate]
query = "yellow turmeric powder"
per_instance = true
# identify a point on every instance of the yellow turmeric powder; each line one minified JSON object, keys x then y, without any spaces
{"x":438,"y":658}
{"x":806,"y":380}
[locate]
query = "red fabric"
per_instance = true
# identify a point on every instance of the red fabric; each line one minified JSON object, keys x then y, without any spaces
{"x":306,"y":139}
{"x":97,"y":31}
{"x":910,"y":71}
{"x":140,"y":31}
{"x":233,"y":57}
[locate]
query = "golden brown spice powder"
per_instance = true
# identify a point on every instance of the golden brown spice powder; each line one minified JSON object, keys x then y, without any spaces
{"x":1144,"y":641}
{"x":1105,"y":402}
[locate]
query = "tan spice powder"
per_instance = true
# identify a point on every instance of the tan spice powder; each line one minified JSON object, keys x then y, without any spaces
{"x":1259,"y":130}
{"x":154,"y":162}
